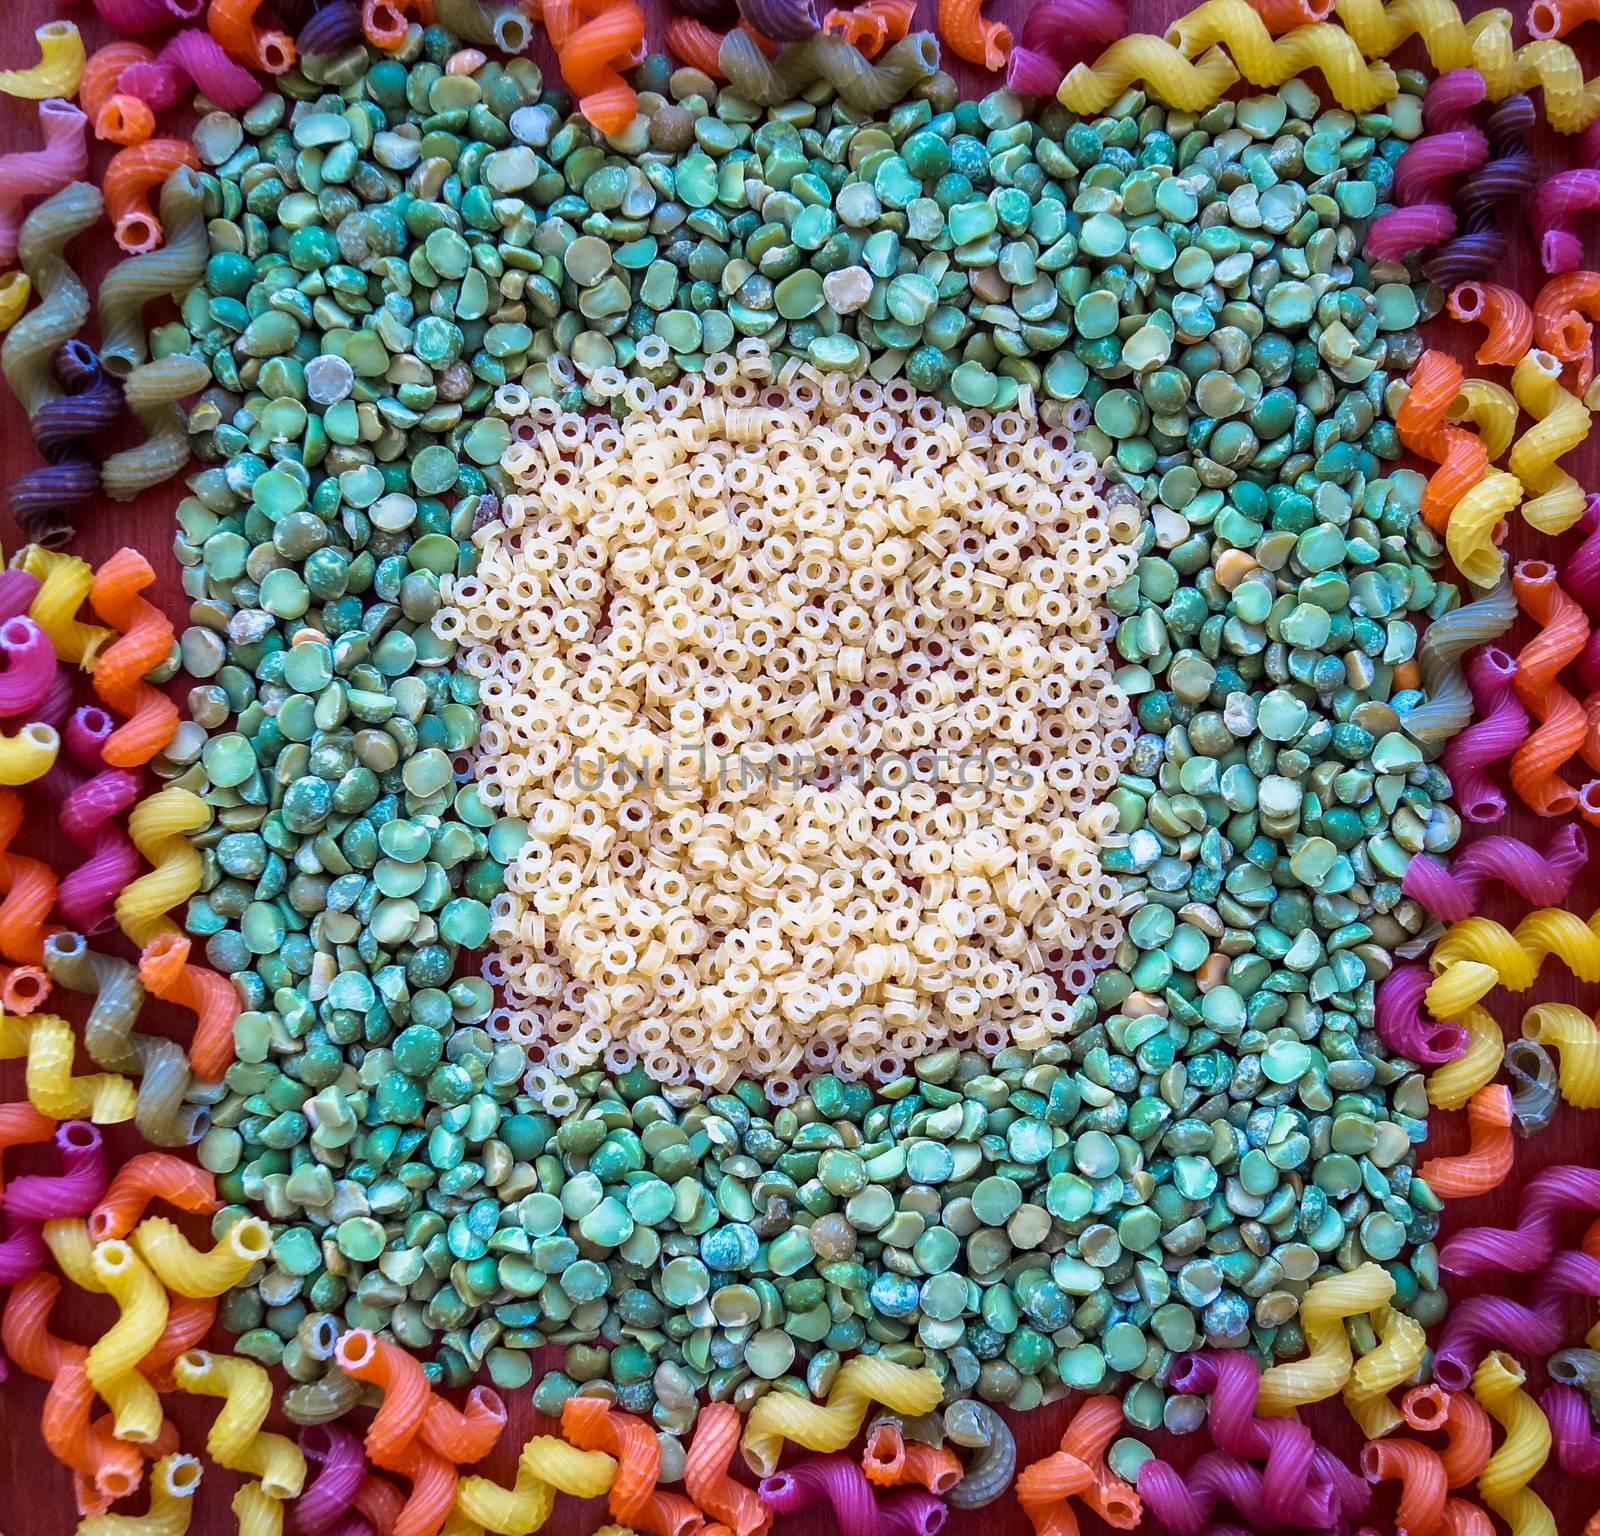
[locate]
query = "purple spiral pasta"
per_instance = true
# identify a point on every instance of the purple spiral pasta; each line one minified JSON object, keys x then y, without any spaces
{"x":1400,"y":1022}
{"x":88,"y":811}
{"x":191,"y":58}
{"x":784,"y":21}
{"x":1481,"y":1323}
{"x":839,"y":1480}
{"x":1528,"y":1245}
{"x":72,"y":1192}
{"x":1424,"y":174}
{"x":1290,"y":1495}
{"x":27,"y":667}
{"x":38,"y":497}
{"x":330,"y":28}
{"x":22,"y":1251}
{"x":1541,"y":878}
{"x":1577,"y":1446}
{"x":1184,"y":1501}
{"x":17,"y":592}
{"x":341,"y":1464}
{"x":1487,"y":196}
{"x":92,"y":402}
{"x":1500,"y":728}
{"x":1056,"y":35}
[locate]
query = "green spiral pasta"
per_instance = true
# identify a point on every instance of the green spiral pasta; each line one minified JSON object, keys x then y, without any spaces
{"x":866,"y":86}
{"x":170,"y":270}
{"x":321,"y":1401}
{"x":63,"y":305}
{"x":153,"y":391}
{"x":1448,"y":706}
{"x":994,"y":1459}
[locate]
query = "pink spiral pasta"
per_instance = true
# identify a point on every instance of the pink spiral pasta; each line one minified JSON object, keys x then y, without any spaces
{"x":17,"y":592}
{"x":1541,"y":877}
{"x":27,"y":667}
{"x":28,"y":173}
{"x":1577,"y":1446}
{"x":22,"y":1251}
{"x":1479,"y":1323}
{"x":1557,"y":205}
{"x":1402,"y":1025}
{"x":1056,"y":34}
{"x":1427,"y":169}
{"x":192,"y":58}
{"x":1500,"y":727}
{"x":1580,"y":575}
{"x":1530,"y":1244}
{"x":72,"y":1192}
{"x":133,"y":18}
{"x":1185,"y":1501}
{"x":838,"y":1480}
{"x":88,"y":813}
{"x":341,"y":1465}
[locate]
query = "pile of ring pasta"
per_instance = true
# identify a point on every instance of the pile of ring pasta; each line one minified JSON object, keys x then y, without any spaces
{"x":830,"y":747}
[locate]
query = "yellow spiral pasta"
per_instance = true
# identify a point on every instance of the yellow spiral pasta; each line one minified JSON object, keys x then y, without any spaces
{"x":1561,"y":423}
{"x":257,"y":1513}
{"x":1502,"y":1484}
{"x":546,"y":1467}
{"x":64,"y":582}
{"x":28,"y":755}
{"x":1091,"y":88}
{"x":1571,"y":103}
{"x":160,"y":828}
{"x":1489,"y":407}
{"x":1513,"y":960}
{"x":16,"y":288}
{"x":1265,"y":60}
{"x":173,"y":1485}
{"x":112,"y":1365}
{"x":862,"y":1381}
{"x":1576,"y":1040}
{"x":187,"y":1270}
{"x":1328,"y":1363}
{"x":236,"y":1439}
{"x":1469,"y":535}
{"x":107,"y":1098}
{"x":1379,"y":30}
{"x":1402,"y":1342}
{"x":1451,"y":1085}
{"x":73,"y":1250}
{"x":1459,"y":988}
{"x":60,"y":66}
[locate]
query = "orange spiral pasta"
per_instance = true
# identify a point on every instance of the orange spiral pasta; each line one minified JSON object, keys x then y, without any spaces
{"x":406,"y":1393}
{"x":129,"y":179}
{"x":634,"y":1499}
{"x":706,"y":1472}
{"x":465,"y":1436}
{"x":166,"y":973}
{"x":433,"y":1492}
{"x":892,"y":1461}
{"x":1464,"y":1519}
{"x":232,"y":23}
{"x":872,"y":26}
{"x":1562,"y":725}
{"x":590,"y":53}
{"x":1504,"y":311}
{"x":1078,"y":1468}
{"x":115,"y":115}
{"x":1420,"y":422}
{"x":1419,"y":1471}
{"x":971,"y":36}
{"x":21,"y":1125}
{"x":1469,"y":1439}
{"x":29,"y":886}
{"x":151,"y":1176}
{"x":694,"y":44}
{"x":146,"y":639}
{"x":1489,"y":1156}
{"x":1561,"y":321}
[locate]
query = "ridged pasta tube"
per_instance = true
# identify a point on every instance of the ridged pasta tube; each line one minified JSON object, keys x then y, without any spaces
{"x":257,"y":1512}
{"x":190,"y":1271}
{"x":60,"y":66}
{"x":1561,"y":424}
{"x":1573,"y":1035}
{"x":1190,"y":87}
{"x":169,"y":272}
{"x":173,"y":1485}
{"x":1503,"y":1483}
{"x":1469,"y":535}
{"x":860,"y":83}
{"x":114,"y":1358}
{"x":1328,"y":1363}
{"x":153,"y":391}
{"x":236,"y":1439}
{"x":1402,"y":1343}
{"x":1484,"y":955}
{"x":48,"y":1043}
{"x":1447,"y":705}
{"x":862,"y":1381}
{"x":63,"y":307}
{"x":64,"y":582}
{"x":1265,"y":60}
{"x":546,"y":1467}
{"x":1380,"y":29}
{"x":159,"y":828}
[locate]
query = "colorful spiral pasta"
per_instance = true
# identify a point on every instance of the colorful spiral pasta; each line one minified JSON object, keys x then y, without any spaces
{"x":1475,"y":1323}
{"x":591,"y":52}
{"x":1488,"y":197}
{"x":62,"y":158}
{"x":233,"y":24}
{"x":783,"y":21}
{"x":593,"y":1425}
{"x":133,"y":173}
{"x":406,"y":1393}
{"x":169,"y":271}
{"x":340,"y":1466}
{"x":1541,"y":877}
{"x":1328,"y":1361}
{"x":86,"y":404}
{"x":1500,"y":727}
{"x":165,"y":970}
{"x":153,"y":391}
{"x":1420,"y":422}
{"x":160,"y":828}
{"x":336,"y":25}
{"x":81,"y":1182}
{"x":706,"y":1475}
{"x":174,"y":1481}
{"x":1474,"y":521}
{"x":1419,"y":1471}
{"x":990,"y":1467}
{"x":236,"y":1439}
{"x":1561,"y":425}
{"x":1502,"y":1484}
{"x":60,"y":66}
{"x":1562,"y":726}
{"x":148,"y":1176}
{"x":1401,"y":1026}
{"x":1562,"y":313}
{"x":113,"y":1360}
{"x":1531,"y":1243}
{"x":1392,"y":1361}
{"x":189,"y":1271}
{"x":1576,"y":1040}
{"x":64,"y":582}
{"x":1535,"y":1086}
{"x":1572,"y":1433}
{"x":49,"y":1046}
{"x":873,"y":25}
{"x":151,"y":718}
{"x":548,"y":1466}
{"x":88,"y":813}
{"x":973,"y":36}
{"x":115,"y":116}
{"x":1429,"y":167}
{"x":859,"y":82}
{"x":1490,"y":1152}
{"x":837,"y":1480}
{"x":191,"y":60}
{"x":891,"y":1461}
{"x":21,"y":1125}
{"x":1447,"y":705}
{"x":1502,"y":311}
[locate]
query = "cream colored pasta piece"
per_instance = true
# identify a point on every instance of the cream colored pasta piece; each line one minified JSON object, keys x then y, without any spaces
{"x":803,"y":689}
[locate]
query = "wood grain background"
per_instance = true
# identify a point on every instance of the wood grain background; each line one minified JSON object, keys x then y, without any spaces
{"x":35,"y":1491}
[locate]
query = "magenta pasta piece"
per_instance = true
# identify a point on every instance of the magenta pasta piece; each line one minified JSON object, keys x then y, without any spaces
{"x":1528,"y":1245}
{"x":1557,"y":206}
{"x":75,"y":1190}
{"x":27,"y":667}
{"x":22,"y":1251}
{"x":341,"y":1464}
{"x":1481,"y":1323}
{"x":133,"y":18}
{"x":839,"y":1480}
{"x":1425,"y":173}
{"x":1572,"y":1274}
{"x":1488,"y":197}
{"x":1580,"y":575}
{"x":17,"y":592}
{"x":1577,"y":1446}
{"x":191,"y":58}
{"x":1500,"y":728}
{"x":1185,"y":1501}
{"x":1541,"y":877}
{"x":1403,"y":230}
{"x":1350,"y":1489}
{"x":1402,"y":1026}
{"x":30,"y":173}
{"x":1056,"y":35}
{"x":88,"y":808}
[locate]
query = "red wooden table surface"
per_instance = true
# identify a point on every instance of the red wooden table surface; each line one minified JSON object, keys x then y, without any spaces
{"x":35,"y":1492}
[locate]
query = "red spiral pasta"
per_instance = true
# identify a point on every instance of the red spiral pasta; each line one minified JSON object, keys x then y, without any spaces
{"x":1503,"y":311}
{"x":591,"y":53}
{"x":1561,"y":319}
{"x":232,"y":23}
{"x":21,"y":1125}
{"x":166,"y":973}
{"x":706,"y":1475}
{"x":1420,"y":1473}
{"x":694,"y":44}
{"x":873,"y":25}
{"x":406,"y":1393}
{"x":1562,"y":726}
{"x":593,"y":1425}
{"x":465,"y":1436}
{"x":29,"y":886}
{"x":146,"y":639}
{"x":971,"y":35}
